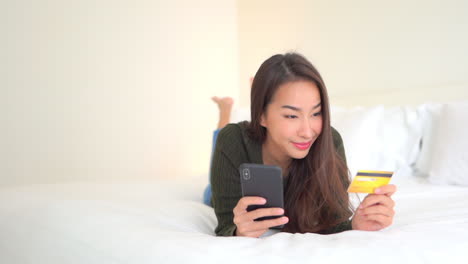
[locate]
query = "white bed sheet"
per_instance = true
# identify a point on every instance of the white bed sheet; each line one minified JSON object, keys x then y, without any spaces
{"x":165,"y":222}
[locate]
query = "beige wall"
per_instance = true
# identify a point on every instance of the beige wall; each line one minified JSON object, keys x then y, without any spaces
{"x":368,"y":52}
{"x":120,"y":89}
{"x":112,"y":89}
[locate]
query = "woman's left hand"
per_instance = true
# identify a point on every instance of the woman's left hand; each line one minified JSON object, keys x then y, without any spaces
{"x":376,"y":210}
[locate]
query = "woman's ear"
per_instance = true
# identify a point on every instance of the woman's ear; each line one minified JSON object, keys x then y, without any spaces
{"x":263,"y":120}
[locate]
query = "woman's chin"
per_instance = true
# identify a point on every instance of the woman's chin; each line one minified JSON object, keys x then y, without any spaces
{"x":299,"y":154}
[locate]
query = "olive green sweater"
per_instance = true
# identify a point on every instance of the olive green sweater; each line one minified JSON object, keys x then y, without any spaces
{"x":234,"y":147}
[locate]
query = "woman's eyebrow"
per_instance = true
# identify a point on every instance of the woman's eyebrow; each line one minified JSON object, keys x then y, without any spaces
{"x":297,"y":108}
{"x":292,"y":108}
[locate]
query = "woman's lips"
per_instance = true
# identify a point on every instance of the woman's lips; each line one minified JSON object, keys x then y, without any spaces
{"x":302,"y":146}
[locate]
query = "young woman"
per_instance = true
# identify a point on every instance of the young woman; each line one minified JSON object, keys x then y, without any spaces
{"x":290,"y":128}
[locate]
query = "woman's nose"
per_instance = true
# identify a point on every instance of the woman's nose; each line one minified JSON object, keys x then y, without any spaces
{"x":305,"y":130}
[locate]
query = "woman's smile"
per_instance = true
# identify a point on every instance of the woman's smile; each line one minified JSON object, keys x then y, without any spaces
{"x":302,"y":145}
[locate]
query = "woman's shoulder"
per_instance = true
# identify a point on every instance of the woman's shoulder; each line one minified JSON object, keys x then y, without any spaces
{"x":337,"y":140}
{"x":232,"y":135}
{"x":234,"y":141}
{"x":339,"y":145}
{"x":232,"y":132}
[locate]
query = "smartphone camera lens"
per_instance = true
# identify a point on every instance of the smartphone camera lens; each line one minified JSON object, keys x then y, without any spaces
{"x":246,"y":174}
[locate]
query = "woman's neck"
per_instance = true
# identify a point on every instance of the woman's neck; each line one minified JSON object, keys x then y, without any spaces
{"x":270,"y":157}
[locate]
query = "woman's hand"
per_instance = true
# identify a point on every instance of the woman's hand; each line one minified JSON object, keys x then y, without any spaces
{"x":376,"y":210}
{"x":246,"y":226}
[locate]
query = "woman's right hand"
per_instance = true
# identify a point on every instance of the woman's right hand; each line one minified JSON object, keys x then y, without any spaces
{"x":246,"y":226}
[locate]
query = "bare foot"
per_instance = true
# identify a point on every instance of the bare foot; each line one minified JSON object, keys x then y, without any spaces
{"x":225,"y":107}
{"x":224,"y":103}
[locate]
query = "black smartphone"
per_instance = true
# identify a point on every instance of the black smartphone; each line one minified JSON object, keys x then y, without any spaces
{"x":265,"y":181}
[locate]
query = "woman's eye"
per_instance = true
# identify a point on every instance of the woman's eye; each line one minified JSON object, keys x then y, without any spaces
{"x":290,"y":116}
{"x":317,"y":114}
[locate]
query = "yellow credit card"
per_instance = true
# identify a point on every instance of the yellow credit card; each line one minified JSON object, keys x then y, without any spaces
{"x":368,"y":181}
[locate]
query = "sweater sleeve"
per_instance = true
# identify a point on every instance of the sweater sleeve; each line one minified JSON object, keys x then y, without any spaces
{"x":339,"y":145}
{"x":225,"y":181}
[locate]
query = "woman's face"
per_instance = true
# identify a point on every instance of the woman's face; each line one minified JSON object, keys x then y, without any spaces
{"x":293,"y":119}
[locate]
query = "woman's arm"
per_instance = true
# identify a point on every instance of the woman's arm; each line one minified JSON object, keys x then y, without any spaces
{"x":225,"y":183}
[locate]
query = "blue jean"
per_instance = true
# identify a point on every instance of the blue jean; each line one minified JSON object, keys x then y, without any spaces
{"x":207,"y":192}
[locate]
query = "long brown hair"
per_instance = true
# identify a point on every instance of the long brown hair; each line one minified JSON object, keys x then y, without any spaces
{"x":315,"y":196}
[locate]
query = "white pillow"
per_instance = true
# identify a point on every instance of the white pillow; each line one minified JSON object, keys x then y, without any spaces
{"x":401,"y":136}
{"x":430,"y":115}
{"x":379,"y":138}
{"x":449,"y":151}
{"x":359,"y":128}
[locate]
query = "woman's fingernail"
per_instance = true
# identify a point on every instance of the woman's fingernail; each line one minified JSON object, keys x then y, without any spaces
{"x":377,"y":190}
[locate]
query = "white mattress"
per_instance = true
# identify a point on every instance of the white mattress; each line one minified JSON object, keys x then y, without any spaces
{"x":165,"y":222}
